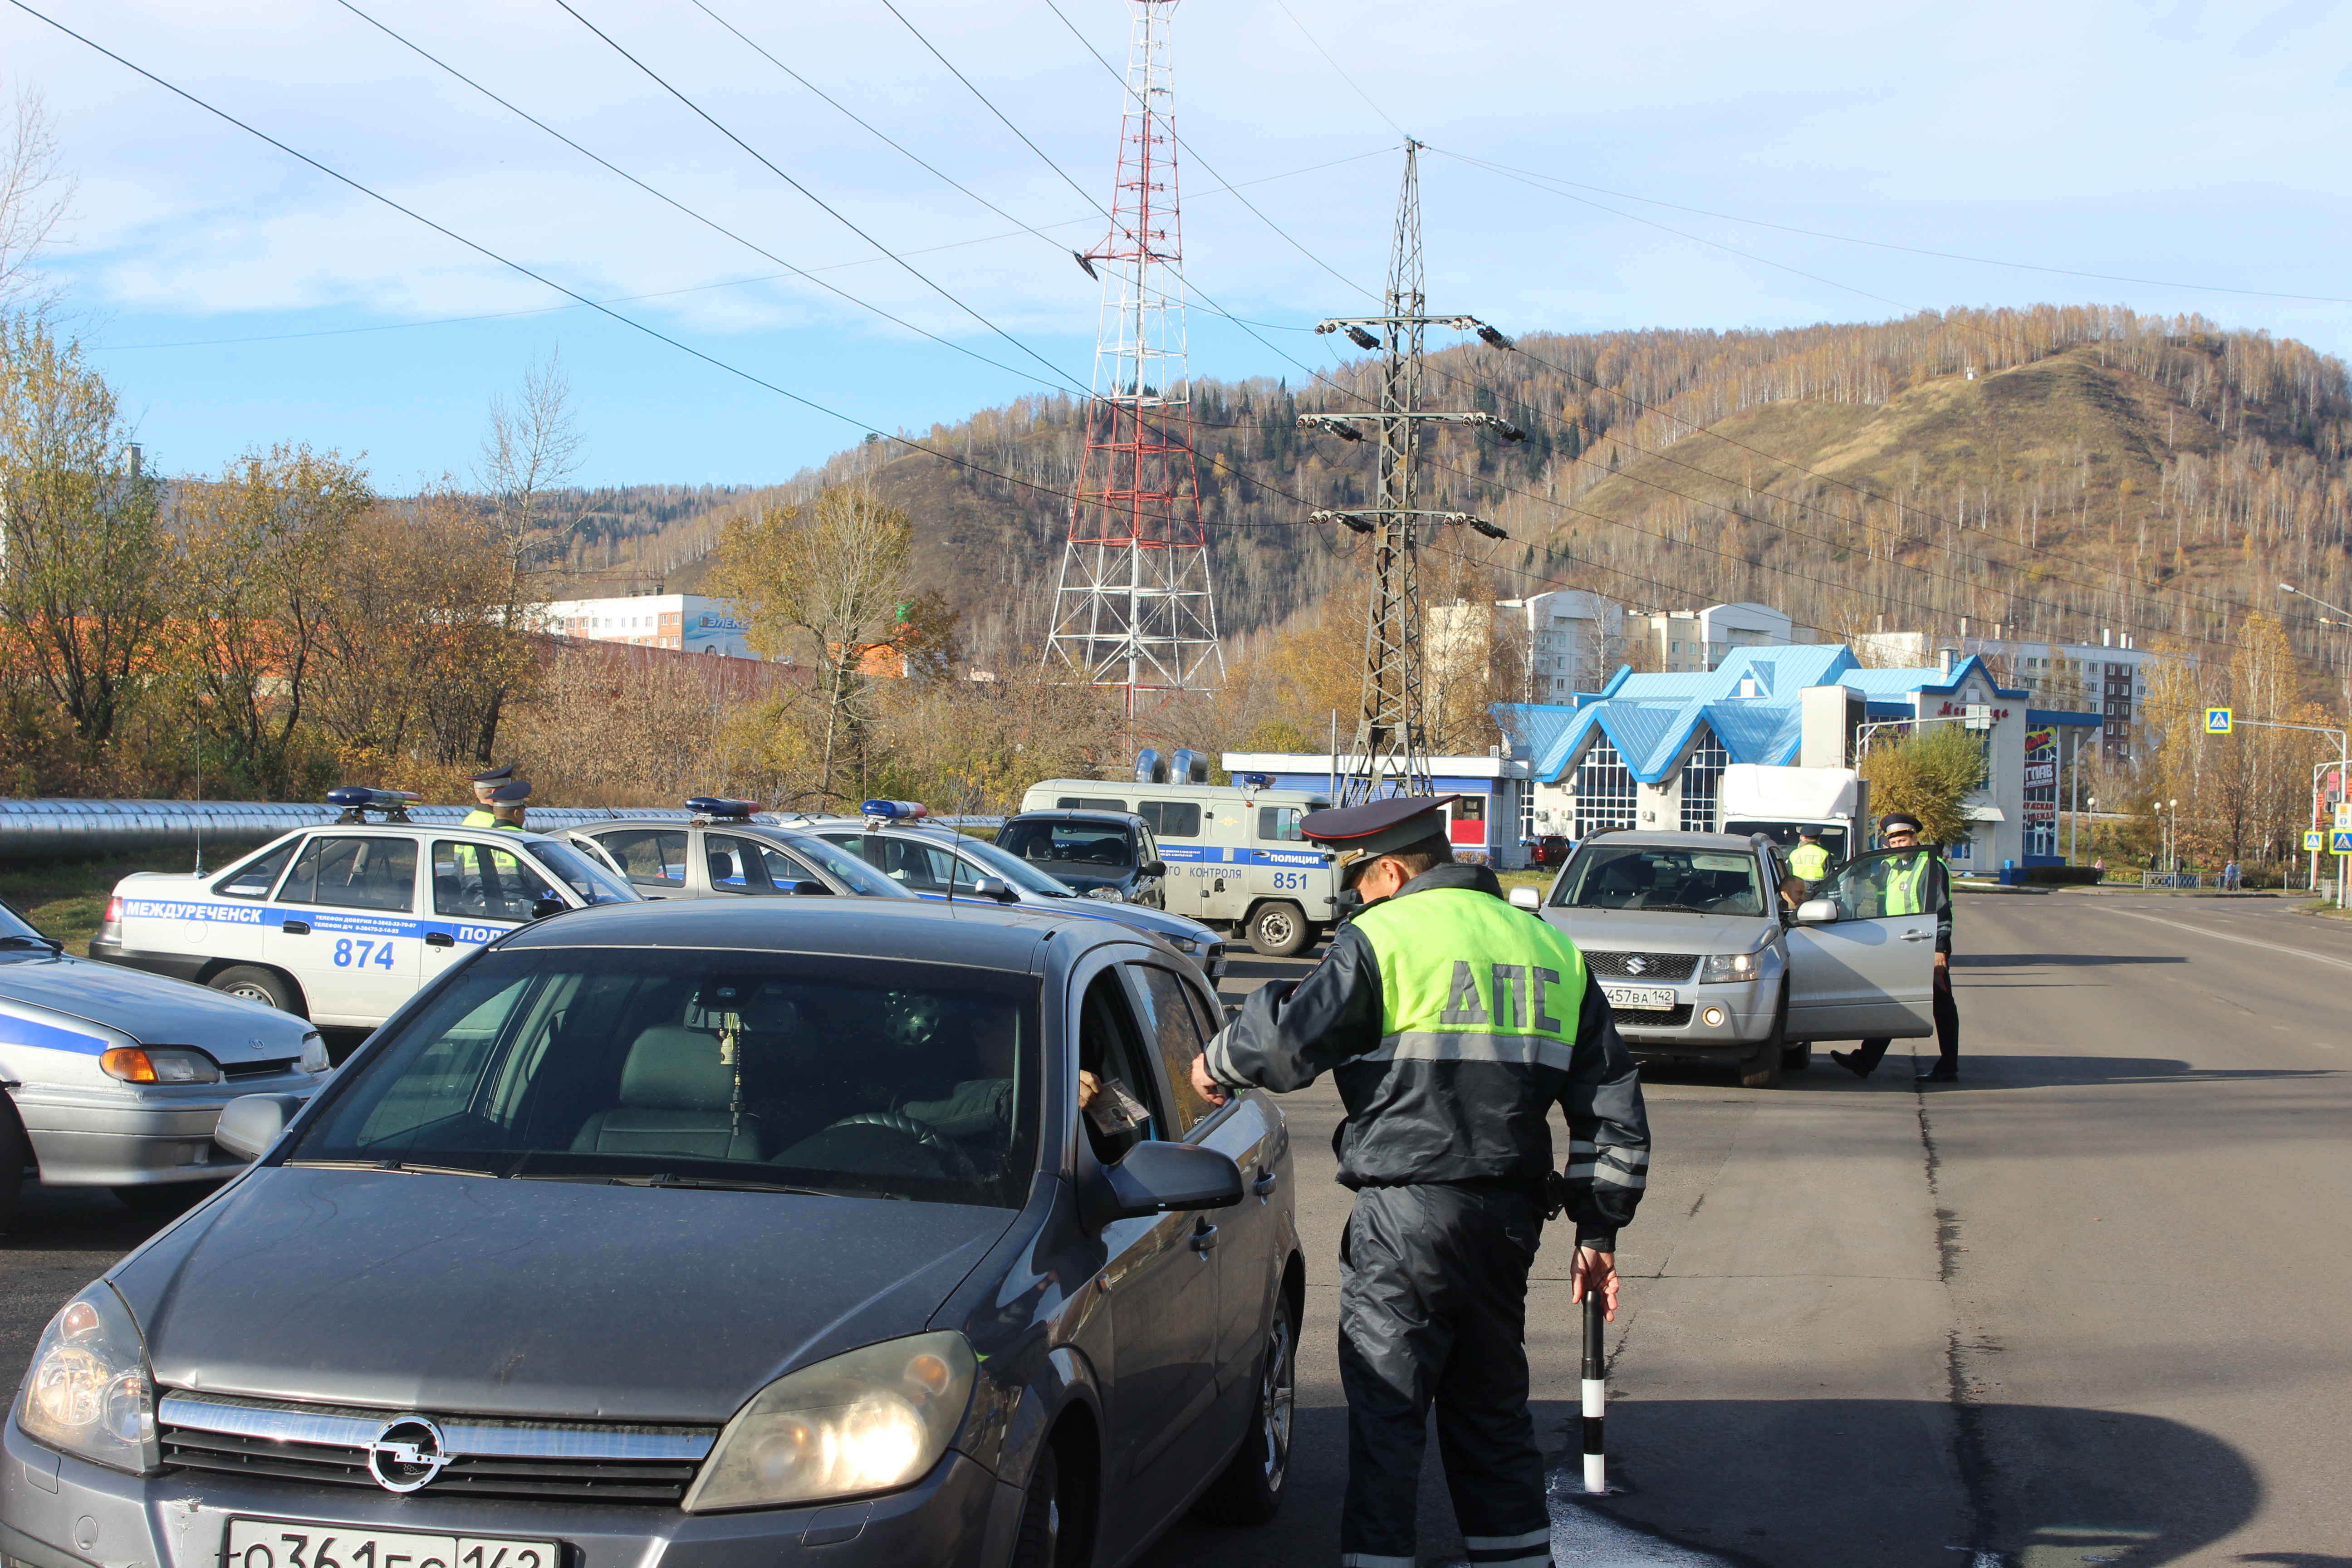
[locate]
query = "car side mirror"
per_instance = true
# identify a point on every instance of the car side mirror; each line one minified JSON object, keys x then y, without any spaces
{"x":995,"y":887}
{"x":1817,"y":912}
{"x":546,"y":904}
{"x":1161,"y":1178}
{"x":251,"y":1123}
{"x":1525,"y":899}
{"x":805,"y":889}
{"x":1155,"y":868}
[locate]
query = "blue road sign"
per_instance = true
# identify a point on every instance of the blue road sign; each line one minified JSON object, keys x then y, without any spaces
{"x":2315,"y":840}
{"x":2217,"y":721}
{"x":2339,"y":843}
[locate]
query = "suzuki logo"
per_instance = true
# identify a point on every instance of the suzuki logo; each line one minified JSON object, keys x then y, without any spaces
{"x":1637,"y":964}
{"x":407,"y":1452}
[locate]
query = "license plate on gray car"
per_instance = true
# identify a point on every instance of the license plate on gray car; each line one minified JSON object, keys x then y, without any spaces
{"x":1656,"y":997}
{"x":300,"y":1543}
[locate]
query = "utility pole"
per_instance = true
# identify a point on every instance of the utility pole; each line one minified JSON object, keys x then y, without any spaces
{"x":1132,"y":608}
{"x":1390,"y":753}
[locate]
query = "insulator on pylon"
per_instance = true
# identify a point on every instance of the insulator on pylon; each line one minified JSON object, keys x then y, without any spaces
{"x":1360,"y":338}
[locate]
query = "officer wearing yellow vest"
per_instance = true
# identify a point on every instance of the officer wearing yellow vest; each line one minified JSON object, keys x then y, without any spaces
{"x":1451,"y":1024}
{"x":486,"y":785}
{"x":1916,"y":884}
{"x":1809,"y":861}
{"x":508,"y":803}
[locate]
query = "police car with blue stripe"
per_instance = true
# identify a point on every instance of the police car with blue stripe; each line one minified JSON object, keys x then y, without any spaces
{"x":114,"y":1080}
{"x":944,"y":866}
{"x":344,"y":922}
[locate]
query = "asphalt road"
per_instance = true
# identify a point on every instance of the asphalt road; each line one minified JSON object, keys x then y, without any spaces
{"x":2087,"y":1305}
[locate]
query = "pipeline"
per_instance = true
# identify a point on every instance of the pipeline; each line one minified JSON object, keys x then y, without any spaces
{"x":70,"y":829}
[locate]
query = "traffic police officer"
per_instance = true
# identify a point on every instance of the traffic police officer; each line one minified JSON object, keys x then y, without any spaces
{"x":1452,"y":1023}
{"x":506,"y":806}
{"x":487,"y":785}
{"x":1916,"y":884}
{"x":1809,"y":862}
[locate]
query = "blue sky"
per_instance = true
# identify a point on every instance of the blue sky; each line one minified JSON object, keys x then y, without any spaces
{"x":238,"y":298}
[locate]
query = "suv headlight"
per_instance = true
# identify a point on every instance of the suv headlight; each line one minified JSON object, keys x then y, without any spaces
{"x":869,"y":1420}
{"x":1724,"y":968}
{"x":314,"y":1054}
{"x":1113,"y":894}
{"x":88,"y":1393}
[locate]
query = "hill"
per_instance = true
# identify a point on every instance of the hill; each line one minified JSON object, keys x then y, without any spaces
{"x":2054,"y":471}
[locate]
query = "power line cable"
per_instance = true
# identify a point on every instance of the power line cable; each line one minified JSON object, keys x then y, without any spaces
{"x":828,"y":208}
{"x":1335,"y":66}
{"x":707,"y":222}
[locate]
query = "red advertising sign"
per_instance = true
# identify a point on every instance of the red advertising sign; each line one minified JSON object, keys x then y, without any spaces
{"x":2041,"y":811}
{"x":2041,"y":744}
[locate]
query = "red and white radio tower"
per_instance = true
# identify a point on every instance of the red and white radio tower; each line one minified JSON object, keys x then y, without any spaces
{"x":1132,"y":608}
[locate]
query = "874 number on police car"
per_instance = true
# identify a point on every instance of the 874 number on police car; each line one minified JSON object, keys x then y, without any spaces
{"x":356,"y":953}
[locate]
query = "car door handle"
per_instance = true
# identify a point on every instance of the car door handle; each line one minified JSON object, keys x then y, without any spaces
{"x":1204,"y":1236}
{"x":1918,"y":936}
{"x":1265,"y":1182}
{"x":439,"y":939}
{"x":295,"y":928}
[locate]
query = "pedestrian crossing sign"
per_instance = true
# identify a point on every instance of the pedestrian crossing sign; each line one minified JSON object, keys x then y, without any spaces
{"x":2341,"y":844}
{"x":2315,"y":840}
{"x":2217,"y":721}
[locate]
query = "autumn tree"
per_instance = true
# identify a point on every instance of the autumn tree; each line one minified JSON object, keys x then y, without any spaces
{"x":1928,"y":773}
{"x":533,"y":447}
{"x":824,"y":580}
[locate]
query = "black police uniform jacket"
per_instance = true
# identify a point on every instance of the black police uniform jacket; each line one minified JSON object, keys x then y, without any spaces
{"x":1414,"y":1120}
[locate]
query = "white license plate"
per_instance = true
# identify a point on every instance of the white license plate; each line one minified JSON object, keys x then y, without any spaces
{"x":299,"y":1544}
{"x":1652,"y":996}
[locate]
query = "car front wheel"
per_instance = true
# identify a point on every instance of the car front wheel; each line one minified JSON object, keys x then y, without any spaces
{"x":1039,"y":1544}
{"x":1250,"y":1491}
{"x":1763,"y":1070}
{"x":262,"y":985}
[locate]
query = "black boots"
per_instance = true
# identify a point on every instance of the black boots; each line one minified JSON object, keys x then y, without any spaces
{"x":1852,"y":1061}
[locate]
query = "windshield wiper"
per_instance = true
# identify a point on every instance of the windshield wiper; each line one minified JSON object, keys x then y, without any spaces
{"x":667,"y":1179}
{"x":399,"y":1167}
{"x":12,"y":940}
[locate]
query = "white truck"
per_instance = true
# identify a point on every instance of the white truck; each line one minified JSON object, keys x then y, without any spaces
{"x":1778,"y":802}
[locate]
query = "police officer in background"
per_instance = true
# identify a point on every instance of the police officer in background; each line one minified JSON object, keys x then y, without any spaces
{"x":487,"y":785}
{"x":1916,"y":884}
{"x":507,"y":806}
{"x":1809,"y":862}
{"x":1451,"y":1023}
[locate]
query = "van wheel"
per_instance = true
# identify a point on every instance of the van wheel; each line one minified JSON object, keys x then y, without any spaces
{"x":1043,"y":1515}
{"x":1278,"y":931}
{"x":1250,"y":1491}
{"x":265,"y":986}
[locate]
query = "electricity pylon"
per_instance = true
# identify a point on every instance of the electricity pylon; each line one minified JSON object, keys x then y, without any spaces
{"x":1133,"y":606}
{"x":1391,"y":751}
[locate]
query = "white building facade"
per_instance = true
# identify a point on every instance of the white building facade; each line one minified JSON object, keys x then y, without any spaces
{"x":690,"y":623}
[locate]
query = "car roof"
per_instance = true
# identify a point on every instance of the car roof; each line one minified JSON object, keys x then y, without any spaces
{"x":1124,"y":818}
{"x":1658,"y":838}
{"x":1005,"y":938}
{"x":411,"y":829}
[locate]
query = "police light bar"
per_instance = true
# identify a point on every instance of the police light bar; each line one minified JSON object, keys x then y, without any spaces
{"x":895,"y":810}
{"x":358,"y":797}
{"x":1258,"y":781}
{"x":719,"y":806}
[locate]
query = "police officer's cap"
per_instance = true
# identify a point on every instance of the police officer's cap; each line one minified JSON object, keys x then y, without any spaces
{"x":513,"y":793}
{"x":1895,"y":819}
{"x":496,"y":775}
{"x":1809,"y":830}
{"x":1363,"y":833}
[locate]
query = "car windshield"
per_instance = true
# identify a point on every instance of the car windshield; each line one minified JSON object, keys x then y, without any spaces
{"x":861,"y":878}
{"x":1090,"y":848}
{"x":589,"y":879}
{"x":665,"y":1068}
{"x":1014,"y":870}
{"x":1605,"y":876}
{"x":11,"y":926}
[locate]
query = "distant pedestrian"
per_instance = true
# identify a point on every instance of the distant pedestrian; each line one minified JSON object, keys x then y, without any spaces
{"x":2100,"y":866}
{"x":2229,"y":877}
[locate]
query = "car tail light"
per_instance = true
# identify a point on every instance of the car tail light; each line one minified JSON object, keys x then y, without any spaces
{"x":112,"y":919}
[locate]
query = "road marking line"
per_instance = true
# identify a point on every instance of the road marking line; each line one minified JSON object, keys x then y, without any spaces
{"x":2240,"y":940}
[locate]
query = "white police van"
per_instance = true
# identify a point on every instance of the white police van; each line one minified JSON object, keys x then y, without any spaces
{"x":1237,"y":858}
{"x":345,"y":921}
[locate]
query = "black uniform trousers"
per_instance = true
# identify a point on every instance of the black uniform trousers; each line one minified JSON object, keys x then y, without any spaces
{"x":1947,"y":1029}
{"x":1432,"y":1308}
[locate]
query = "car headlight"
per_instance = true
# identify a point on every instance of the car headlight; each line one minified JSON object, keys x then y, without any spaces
{"x":88,"y":1393}
{"x":1183,"y":944}
{"x":1723,"y":968}
{"x":1113,"y":894}
{"x":314,"y":1054}
{"x":869,"y":1421}
{"x":158,"y":1064}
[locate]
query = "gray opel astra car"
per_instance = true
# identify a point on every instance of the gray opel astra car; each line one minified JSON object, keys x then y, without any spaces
{"x":711,"y":1233}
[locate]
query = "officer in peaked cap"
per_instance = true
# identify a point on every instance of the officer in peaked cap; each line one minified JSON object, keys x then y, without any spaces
{"x":1913,"y":881}
{"x":485,"y":786}
{"x":1452,"y":1023}
{"x":507,"y":805}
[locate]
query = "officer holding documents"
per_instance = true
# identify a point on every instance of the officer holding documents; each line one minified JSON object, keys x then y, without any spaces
{"x":1451,"y":1023}
{"x":1916,"y":884}
{"x":486,"y":785}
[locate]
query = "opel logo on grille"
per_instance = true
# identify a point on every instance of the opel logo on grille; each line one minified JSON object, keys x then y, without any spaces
{"x":1637,"y":964}
{"x":407,"y":1452}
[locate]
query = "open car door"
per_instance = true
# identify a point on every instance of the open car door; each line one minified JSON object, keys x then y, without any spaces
{"x":1866,"y":974}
